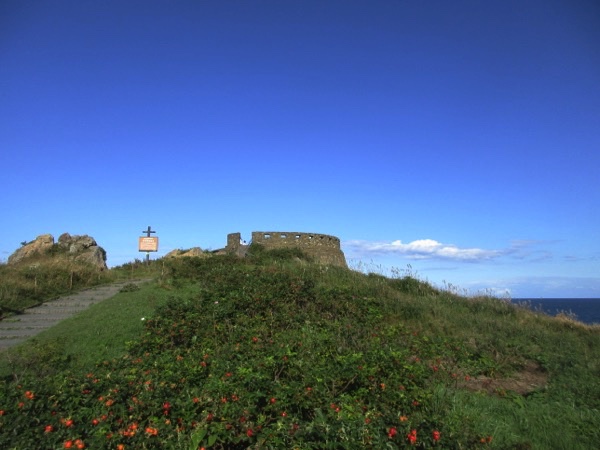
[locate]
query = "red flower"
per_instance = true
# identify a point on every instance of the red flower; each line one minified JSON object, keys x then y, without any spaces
{"x":436,"y":435}
{"x":412,"y":437}
{"x":249,"y":433}
{"x":68,"y":444}
{"x":48,"y":429}
{"x":392,"y":432}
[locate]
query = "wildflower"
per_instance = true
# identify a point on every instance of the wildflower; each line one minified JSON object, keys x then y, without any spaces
{"x":392,"y":432}
{"x":412,"y":437}
{"x":436,"y":435}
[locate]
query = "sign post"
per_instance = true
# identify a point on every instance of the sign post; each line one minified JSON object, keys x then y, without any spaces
{"x":148,"y":244}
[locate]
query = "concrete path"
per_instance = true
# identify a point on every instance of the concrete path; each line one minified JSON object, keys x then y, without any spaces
{"x":16,"y":329}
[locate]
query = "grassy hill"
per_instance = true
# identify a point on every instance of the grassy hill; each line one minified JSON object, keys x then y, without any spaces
{"x":273,"y":351}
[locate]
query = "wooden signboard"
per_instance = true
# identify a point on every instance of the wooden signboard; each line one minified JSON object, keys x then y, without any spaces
{"x":148,"y":244}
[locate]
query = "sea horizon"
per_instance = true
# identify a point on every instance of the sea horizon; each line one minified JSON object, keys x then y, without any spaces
{"x":584,"y":309}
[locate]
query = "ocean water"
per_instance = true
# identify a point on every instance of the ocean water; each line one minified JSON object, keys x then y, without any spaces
{"x":586,"y":310}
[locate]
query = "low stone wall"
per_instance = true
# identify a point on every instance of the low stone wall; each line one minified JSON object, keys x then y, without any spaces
{"x":324,"y":248}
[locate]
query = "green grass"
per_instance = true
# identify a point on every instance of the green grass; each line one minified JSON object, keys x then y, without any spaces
{"x":42,"y":278}
{"x":276,"y":352}
{"x":99,"y":333}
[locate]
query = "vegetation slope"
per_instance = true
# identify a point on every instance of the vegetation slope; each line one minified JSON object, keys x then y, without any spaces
{"x":273,"y":351}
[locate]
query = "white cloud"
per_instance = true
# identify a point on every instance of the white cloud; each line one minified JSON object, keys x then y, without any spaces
{"x":422,"y":249}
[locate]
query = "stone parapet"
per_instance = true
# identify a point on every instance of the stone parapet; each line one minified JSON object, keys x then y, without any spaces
{"x":324,"y":248}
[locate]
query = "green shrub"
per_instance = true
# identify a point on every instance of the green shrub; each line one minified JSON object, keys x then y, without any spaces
{"x":271,"y":355}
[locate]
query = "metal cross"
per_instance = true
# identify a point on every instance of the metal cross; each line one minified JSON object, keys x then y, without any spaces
{"x":148,"y":231}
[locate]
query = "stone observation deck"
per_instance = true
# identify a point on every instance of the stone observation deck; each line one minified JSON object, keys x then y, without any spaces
{"x":324,"y":248}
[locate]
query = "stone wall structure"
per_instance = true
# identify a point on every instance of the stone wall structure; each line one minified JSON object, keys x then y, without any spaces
{"x":324,"y":248}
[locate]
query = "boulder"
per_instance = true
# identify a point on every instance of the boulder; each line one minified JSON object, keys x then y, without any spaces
{"x":94,"y":255}
{"x":76,"y":244}
{"x":77,"y":248}
{"x":37,"y":247}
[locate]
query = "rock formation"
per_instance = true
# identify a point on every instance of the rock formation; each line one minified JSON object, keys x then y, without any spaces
{"x":38,"y":247}
{"x":77,"y":248}
{"x":195,"y":251}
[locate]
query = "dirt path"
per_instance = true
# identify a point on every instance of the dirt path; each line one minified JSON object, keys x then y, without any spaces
{"x":18,"y":328}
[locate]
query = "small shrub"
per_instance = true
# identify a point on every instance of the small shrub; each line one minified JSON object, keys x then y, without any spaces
{"x":130,"y":287}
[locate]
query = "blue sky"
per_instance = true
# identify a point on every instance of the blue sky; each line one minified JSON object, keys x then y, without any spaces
{"x":458,"y":140}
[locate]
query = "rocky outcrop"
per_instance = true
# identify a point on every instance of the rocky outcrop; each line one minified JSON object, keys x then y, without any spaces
{"x":37,"y":247}
{"x":195,"y":251}
{"x":77,"y":248}
{"x":76,"y":244}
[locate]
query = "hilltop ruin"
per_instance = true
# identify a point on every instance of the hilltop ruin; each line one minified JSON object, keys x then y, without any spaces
{"x":324,"y":248}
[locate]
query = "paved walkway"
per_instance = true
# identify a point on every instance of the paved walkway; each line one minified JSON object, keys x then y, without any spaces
{"x":16,"y":329}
